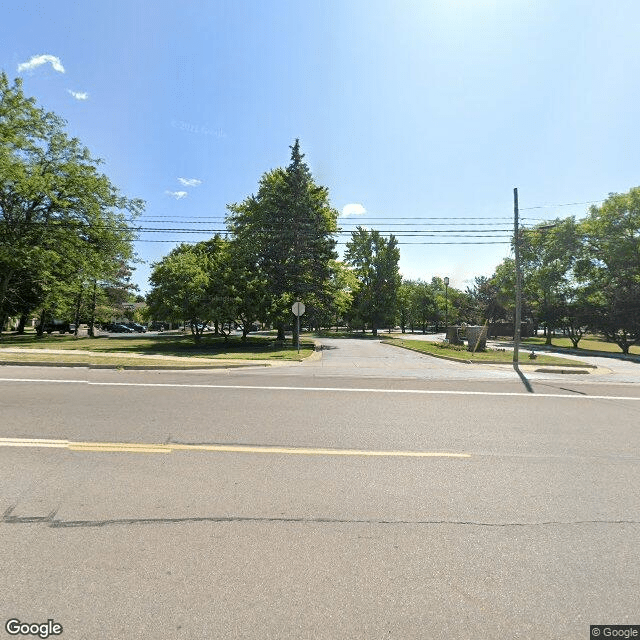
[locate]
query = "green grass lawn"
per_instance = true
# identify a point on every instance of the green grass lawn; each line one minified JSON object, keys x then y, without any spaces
{"x":173,"y":345}
{"x":588,"y":343}
{"x":461,"y":353}
{"x":113,"y":361}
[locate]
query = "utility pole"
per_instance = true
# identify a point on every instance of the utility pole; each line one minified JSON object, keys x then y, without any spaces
{"x":446,"y":307}
{"x":516,"y":249}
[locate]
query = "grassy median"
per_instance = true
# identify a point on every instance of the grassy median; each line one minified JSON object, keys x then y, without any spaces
{"x":490,"y":356}
{"x":588,"y":343}
{"x":157,"y":350}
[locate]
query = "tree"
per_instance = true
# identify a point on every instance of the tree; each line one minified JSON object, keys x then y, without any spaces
{"x":549,"y":253}
{"x":424,"y":309}
{"x":375,"y":262}
{"x":288,"y":228}
{"x":463,"y":305}
{"x":504,"y":281}
{"x":405,"y":307}
{"x":246,"y":286}
{"x":486,"y":298}
{"x":343,"y":286}
{"x":62,"y":223}
{"x":191,"y":283}
{"x":577,"y":314}
{"x":611,"y":267}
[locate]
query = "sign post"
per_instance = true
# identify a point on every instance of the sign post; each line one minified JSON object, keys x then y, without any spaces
{"x":298,"y":310}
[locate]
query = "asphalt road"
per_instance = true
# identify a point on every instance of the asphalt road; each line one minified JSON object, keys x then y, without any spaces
{"x":374,"y":493}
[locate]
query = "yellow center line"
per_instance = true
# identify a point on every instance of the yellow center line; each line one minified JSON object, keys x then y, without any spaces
{"x":118,"y":447}
{"x":33,"y":442}
{"x":314,"y":451}
{"x":138,"y":447}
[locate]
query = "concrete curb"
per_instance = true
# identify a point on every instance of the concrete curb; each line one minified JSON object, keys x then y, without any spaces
{"x":135,"y":367}
{"x":569,"y":371}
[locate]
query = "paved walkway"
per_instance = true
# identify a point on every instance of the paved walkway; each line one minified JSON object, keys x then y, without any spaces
{"x":344,"y":356}
{"x":372,"y":358}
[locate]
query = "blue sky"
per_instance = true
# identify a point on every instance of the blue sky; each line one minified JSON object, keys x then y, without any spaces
{"x":409,"y":109}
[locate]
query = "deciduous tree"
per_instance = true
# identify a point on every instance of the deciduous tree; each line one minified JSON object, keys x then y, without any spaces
{"x":375,"y":263}
{"x":60,"y":218}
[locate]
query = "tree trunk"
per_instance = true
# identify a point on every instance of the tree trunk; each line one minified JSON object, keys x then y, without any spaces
{"x":92,"y":318}
{"x":4,"y":287}
{"x":624,"y":345}
{"x":40,"y":327}
{"x":77,"y":314}
{"x":194,"y":332}
{"x":22,"y":323}
{"x":281,"y":336}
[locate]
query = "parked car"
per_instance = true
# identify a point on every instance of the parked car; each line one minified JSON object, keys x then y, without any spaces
{"x":119,"y":328}
{"x":138,"y":328}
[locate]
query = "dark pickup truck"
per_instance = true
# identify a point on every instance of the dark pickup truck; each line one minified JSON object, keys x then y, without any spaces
{"x":60,"y":327}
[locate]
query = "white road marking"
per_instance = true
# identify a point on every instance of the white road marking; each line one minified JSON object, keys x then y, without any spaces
{"x":444,"y":392}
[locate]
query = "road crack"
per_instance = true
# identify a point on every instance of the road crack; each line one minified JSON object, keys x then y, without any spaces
{"x":54,"y":523}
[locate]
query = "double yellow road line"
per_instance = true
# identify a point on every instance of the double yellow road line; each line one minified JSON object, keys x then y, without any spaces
{"x":138,"y":447}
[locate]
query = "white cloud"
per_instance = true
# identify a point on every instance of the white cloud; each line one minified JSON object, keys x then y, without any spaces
{"x":189,"y":182}
{"x":36,"y":61}
{"x":78,"y":95}
{"x":178,"y":195}
{"x":353,"y":210}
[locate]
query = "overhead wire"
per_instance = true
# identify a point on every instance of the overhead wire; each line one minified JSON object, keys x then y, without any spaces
{"x":565,"y":204}
{"x":341,"y":242}
{"x":420,"y":227}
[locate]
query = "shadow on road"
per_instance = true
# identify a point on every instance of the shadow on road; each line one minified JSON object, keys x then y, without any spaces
{"x":524,"y":379}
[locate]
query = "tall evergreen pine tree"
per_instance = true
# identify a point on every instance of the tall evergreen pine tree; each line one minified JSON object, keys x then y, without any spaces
{"x":288,"y":231}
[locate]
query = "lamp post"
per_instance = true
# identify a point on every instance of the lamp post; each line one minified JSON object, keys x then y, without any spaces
{"x":446,"y":306}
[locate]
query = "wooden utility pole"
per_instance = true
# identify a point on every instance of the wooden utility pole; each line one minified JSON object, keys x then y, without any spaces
{"x":516,"y":250}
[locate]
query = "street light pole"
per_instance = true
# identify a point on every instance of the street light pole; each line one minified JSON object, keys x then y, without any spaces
{"x":446,"y":307}
{"x":516,"y":250}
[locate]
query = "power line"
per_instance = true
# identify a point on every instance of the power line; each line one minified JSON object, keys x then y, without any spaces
{"x":402,"y":232}
{"x":399,"y":224}
{"x":566,"y":204}
{"x":359,"y":218}
{"x":340,"y":242}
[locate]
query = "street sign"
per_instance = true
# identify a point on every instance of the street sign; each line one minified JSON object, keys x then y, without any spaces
{"x":298,"y":310}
